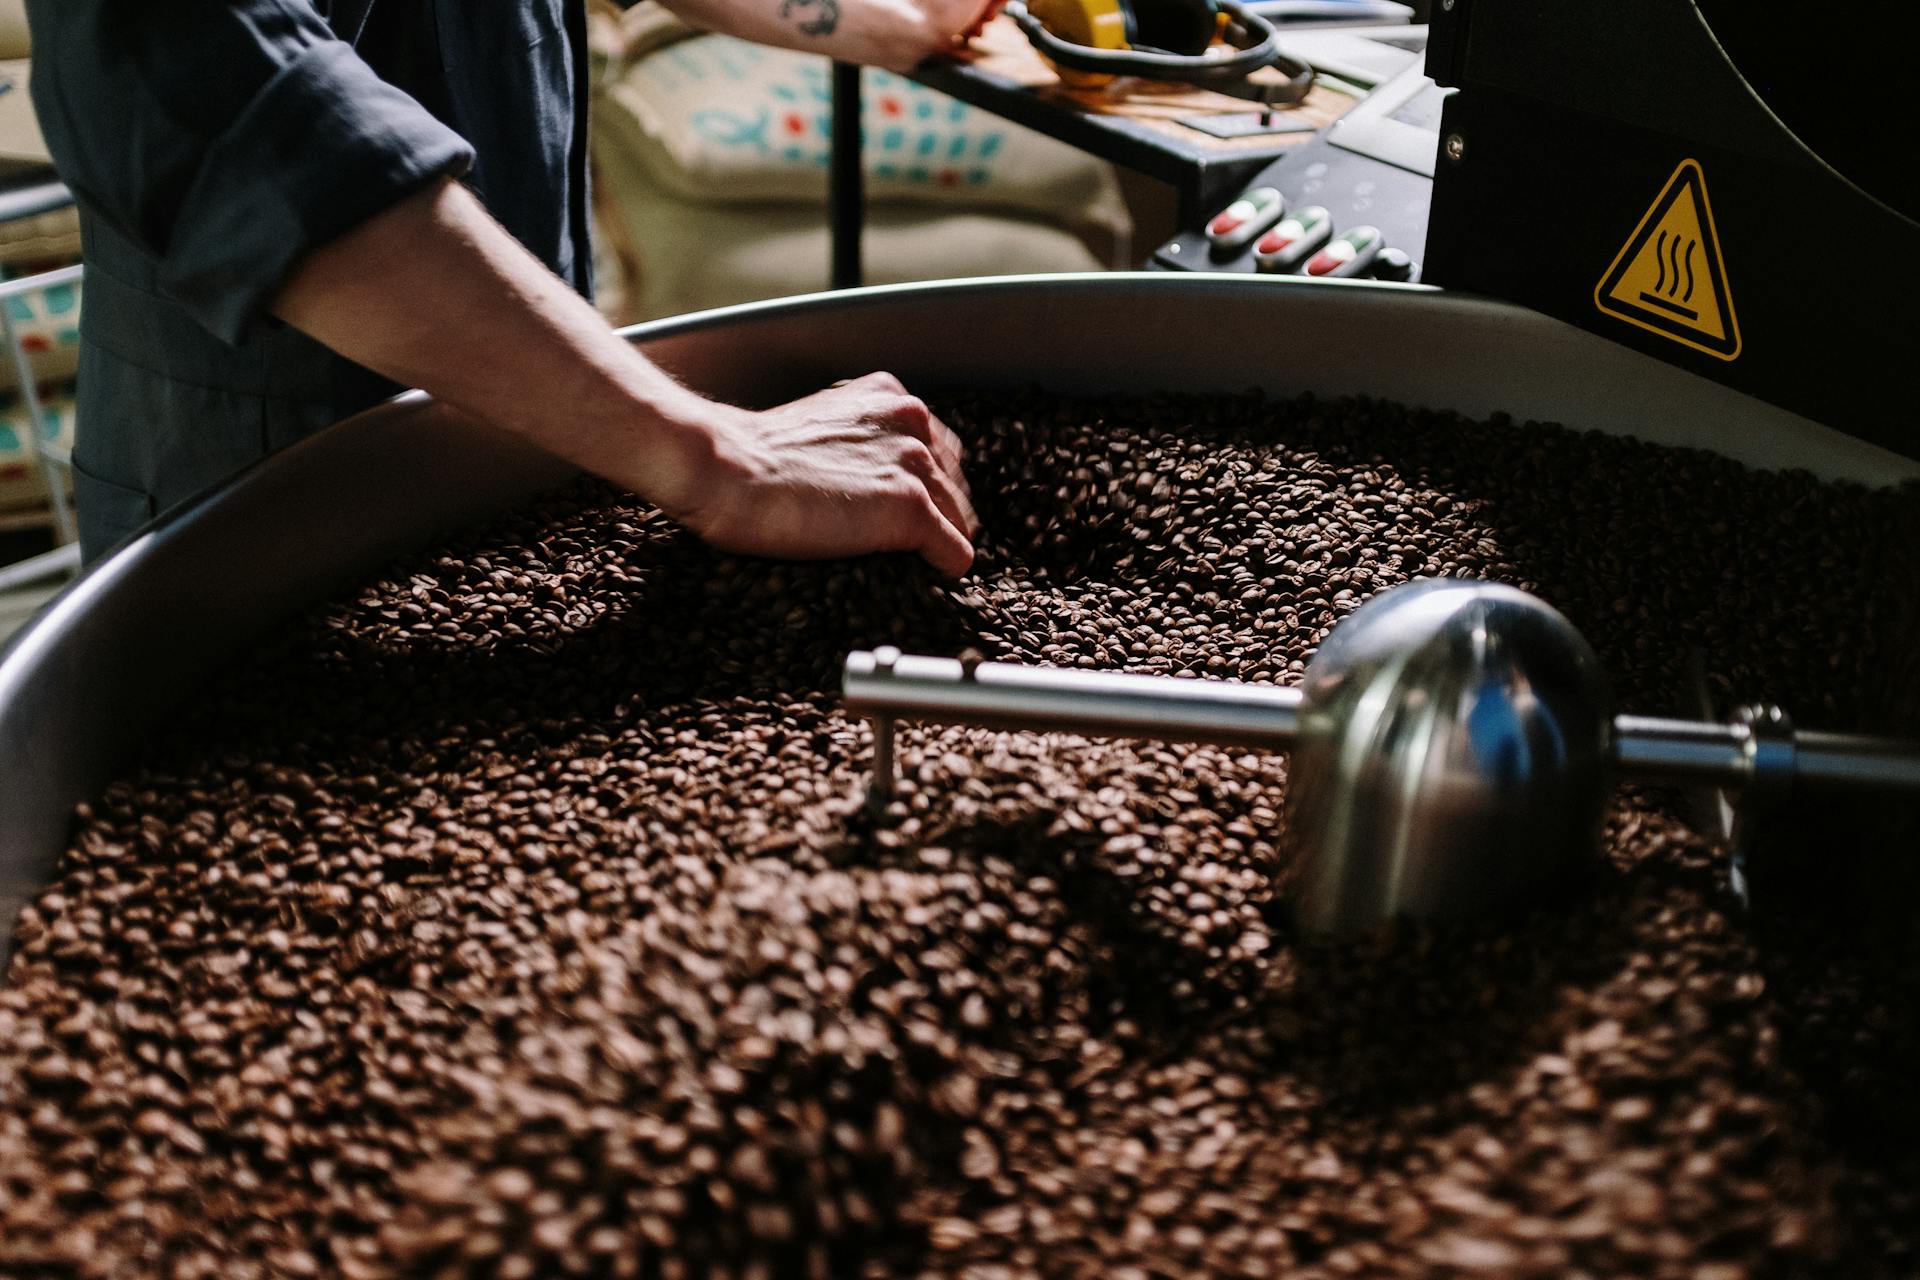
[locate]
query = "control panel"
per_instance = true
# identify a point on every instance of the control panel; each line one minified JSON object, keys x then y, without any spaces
{"x":1351,"y":201}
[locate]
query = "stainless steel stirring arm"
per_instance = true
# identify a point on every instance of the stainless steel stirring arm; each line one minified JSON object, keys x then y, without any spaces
{"x":1452,"y":745}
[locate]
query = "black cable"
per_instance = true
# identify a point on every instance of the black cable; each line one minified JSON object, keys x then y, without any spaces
{"x":1158,"y":64}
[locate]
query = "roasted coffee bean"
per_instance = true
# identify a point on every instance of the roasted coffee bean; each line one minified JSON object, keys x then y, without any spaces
{"x":520,"y":914}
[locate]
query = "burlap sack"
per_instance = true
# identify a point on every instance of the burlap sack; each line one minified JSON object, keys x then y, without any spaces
{"x":715,"y":119}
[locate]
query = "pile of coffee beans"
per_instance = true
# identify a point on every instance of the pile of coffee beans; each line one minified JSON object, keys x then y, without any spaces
{"x":520,"y":915}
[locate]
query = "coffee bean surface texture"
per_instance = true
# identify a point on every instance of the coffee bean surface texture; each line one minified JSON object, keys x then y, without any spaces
{"x":517,"y":914}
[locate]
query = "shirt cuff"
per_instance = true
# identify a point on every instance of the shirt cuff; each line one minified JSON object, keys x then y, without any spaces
{"x":324,"y":146}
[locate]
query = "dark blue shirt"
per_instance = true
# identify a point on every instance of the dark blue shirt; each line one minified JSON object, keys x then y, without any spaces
{"x":210,"y":145}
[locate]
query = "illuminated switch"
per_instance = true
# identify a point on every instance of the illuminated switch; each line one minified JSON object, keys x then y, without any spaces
{"x":1236,"y":226}
{"x":1351,"y":253}
{"x":1296,"y":235}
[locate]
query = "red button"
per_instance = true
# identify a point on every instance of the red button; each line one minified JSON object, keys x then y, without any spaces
{"x":1336,"y":254}
{"x":1223,"y":223}
{"x":1273,"y":242}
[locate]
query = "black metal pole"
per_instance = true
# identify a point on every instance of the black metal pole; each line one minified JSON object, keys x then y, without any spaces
{"x":846,"y":198}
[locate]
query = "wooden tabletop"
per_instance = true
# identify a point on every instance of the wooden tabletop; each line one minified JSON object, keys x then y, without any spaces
{"x":1009,"y":77}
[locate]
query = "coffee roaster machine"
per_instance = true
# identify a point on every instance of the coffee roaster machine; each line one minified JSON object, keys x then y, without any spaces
{"x":1712,"y":183}
{"x":85,"y":685}
{"x":1631,"y":243}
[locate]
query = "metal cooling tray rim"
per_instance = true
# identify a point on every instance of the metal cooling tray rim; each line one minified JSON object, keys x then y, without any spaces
{"x":86,"y":683}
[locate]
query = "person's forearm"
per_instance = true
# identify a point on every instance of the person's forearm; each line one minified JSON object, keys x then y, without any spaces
{"x":435,"y":294}
{"x":895,"y":34}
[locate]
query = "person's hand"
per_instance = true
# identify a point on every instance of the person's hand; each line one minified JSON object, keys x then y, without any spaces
{"x":949,"y":25}
{"x":861,"y":466}
{"x":897,"y":35}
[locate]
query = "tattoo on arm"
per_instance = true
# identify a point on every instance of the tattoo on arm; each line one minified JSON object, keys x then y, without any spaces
{"x":815,"y":17}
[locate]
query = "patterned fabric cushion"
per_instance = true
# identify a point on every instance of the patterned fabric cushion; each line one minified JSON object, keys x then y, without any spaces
{"x":30,"y":242}
{"x":714,"y":118}
{"x":20,"y":136}
{"x":21,"y":484}
{"x":47,"y":322}
{"x":14,"y":40}
{"x":687,"y":256}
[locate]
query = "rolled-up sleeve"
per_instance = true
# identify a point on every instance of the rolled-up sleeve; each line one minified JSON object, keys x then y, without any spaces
{"x":226,"y":139}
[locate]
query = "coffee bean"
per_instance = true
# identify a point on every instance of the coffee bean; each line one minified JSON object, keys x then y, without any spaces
{"x":518,"y":914}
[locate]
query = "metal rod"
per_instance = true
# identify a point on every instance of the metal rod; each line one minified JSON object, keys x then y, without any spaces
{"x":846,"y":196}
{"x":886,"y":773}
{"x":1844,"y":759}
{"x":885,"y":683}
{"x":1690,"y":750}
{"x":61,"y":562}
{"x":1725,"y":753}
{"x":45,"y":280}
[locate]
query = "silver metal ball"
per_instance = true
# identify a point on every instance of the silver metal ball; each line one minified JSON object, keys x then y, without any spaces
{"x":1452,"y":759}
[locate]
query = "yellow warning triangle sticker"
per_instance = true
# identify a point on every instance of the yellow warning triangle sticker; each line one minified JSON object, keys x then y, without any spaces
{"x":1669,"y":278}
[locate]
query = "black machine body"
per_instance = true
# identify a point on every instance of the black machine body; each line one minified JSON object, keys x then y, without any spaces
{"x":1696,"y":180}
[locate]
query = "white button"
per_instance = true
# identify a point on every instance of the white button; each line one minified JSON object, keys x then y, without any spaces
{"x":1245,"y":220}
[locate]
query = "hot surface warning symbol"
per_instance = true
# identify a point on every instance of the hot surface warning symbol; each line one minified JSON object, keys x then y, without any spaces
{"x":1669,"y":278}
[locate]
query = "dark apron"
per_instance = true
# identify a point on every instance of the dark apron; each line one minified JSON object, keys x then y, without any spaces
{"x":167,"y":410}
